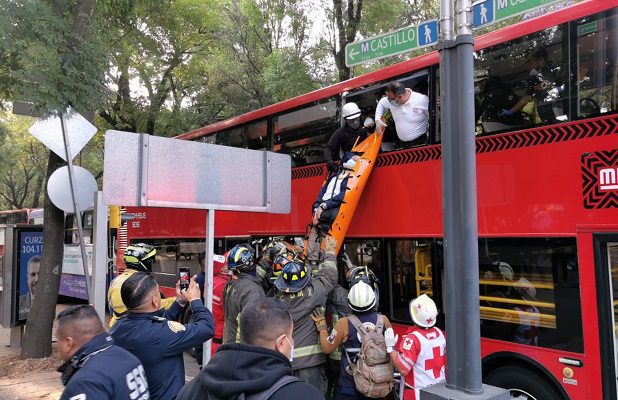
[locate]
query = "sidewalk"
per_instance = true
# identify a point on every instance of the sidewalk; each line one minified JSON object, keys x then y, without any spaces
{"x":37,"y":378}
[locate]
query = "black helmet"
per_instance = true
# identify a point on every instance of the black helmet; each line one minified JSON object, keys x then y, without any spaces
{"x":293,"y":278}
{"x":140,"y":256}
{"x":241,"y":258}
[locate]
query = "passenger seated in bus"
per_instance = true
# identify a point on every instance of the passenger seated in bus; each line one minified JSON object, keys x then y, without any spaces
{"x":491,"y":96}
{"x":543,"y":86}
{"x":326,"y":206}
{"x":345,"y":137}
{"x":410,"y":112}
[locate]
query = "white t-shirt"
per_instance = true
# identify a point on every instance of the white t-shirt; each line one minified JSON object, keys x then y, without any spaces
{"x":410,"y":118}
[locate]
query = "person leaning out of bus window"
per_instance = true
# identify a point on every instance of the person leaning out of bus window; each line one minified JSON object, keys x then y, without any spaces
{"x":138,"y":257}
{"x":410,"y":111}
{"x":345,"y":137}
{"x":420,"y":354}
{"x":326,"y":206}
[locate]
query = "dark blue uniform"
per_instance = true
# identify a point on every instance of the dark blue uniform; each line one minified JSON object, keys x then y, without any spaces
{"x":101,"y":370}
{"x":158,"y":341}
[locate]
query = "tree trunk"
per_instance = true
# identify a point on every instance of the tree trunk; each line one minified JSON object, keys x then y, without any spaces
{"x":37,"y":191}
{"x":37,"y":338}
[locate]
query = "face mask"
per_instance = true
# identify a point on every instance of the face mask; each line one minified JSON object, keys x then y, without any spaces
{"x":350,"y":164}
{"x":534,"y":72}
{"x":354,"y":124}
{"x":291,"y":352}
{"x":477,"y":90}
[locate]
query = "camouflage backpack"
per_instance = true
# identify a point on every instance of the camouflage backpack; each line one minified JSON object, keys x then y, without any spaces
{"x":372,"y":371}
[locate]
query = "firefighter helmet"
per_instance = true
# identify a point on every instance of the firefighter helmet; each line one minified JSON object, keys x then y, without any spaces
{"x":293,"y":278}
{"x":241,"y":258}
{"x":361,"y":297}
{"x":140,"y":256}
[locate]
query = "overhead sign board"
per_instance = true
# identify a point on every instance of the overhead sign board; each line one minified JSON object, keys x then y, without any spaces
{"x":487,"y":12}
{"x":392,"y":43}
{"x":152,"y":171}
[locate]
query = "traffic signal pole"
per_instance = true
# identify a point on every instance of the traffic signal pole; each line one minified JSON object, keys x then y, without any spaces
{"x":461,"y":276}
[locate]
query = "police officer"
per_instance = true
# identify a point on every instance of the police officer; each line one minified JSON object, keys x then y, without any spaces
{"x":155,"y":337}
{"x":245,"y":288}
{"x":302,"y":293}
{"x":137,"y":257}
{"x":94,"y":367}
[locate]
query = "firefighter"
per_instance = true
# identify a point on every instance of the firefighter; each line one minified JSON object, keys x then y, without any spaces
{"x":303,"y":293}
{"x":419,"y":355}
{"x":245,"y":288}
{"x":137,"y":257}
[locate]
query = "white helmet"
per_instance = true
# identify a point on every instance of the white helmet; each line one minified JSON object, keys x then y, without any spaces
{"x":361,"y":297}
{"x":423,"y":311}
{"x":350,"y":111}
{"x":525,"y":288}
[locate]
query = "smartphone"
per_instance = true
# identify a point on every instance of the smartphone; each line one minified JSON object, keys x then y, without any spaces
{"x":184,"y":276}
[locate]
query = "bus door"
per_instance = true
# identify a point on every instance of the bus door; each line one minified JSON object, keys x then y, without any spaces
{"x":606,"y":262}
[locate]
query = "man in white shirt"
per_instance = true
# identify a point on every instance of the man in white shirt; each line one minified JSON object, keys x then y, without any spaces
{"x":410,"y":111}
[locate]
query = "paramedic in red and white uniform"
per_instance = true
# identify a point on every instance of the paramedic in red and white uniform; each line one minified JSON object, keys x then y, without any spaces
{"x":420,"y":354}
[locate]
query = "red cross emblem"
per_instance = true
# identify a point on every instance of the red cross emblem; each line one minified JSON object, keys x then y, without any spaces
{"x":428,"y":321}
{"x":436,"y":363}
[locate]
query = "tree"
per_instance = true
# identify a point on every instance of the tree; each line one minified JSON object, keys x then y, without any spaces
{"x":23,"y":163}
{"x":52,"y":61}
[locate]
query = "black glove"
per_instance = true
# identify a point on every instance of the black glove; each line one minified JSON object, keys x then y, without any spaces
{"x":332,"y":166}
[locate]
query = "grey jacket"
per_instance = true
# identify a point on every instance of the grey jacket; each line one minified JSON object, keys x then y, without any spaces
{"x":247,"y":289}
{"x":307,"y":349}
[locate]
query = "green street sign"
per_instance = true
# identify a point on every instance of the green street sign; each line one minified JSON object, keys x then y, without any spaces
{"x":392,"y":43}
{"x":490,"y":11}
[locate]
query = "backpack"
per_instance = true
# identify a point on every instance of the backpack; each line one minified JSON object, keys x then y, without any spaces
{"x":372,"y":371}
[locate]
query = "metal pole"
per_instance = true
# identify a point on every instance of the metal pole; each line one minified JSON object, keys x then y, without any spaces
{"x":99,"y":255}
{"x":78,"y":216}
{"x":210,"y":250}
{"x":467,"y":222}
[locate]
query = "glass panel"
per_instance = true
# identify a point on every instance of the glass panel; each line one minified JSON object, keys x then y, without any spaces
{"x":411,"y":274}
{"x":612,"y":262}
{"x":521,"y":82}
{"x":302,"y":133}
{"x":251,"y":136}
{"x":596,"y":64}
{"x":529,"y":292}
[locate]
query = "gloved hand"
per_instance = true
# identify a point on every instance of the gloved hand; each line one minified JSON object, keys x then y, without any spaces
{"x":505,"y":112}
{"x":380,"y":125}
{"x":331,"y":245}
{"x":332,"y":166}
{"x":317,"y":315}
{"x":390,"y":339}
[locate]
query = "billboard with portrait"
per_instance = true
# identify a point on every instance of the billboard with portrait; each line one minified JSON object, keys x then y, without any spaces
{"x":28,"y":246}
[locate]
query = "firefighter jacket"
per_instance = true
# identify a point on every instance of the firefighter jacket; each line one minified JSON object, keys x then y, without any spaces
{"x":158,"y":341}
{"x":246,"y":289}
{"x":307,"y":349}
{"x":102,"y":370}
{"x":114,"y":299}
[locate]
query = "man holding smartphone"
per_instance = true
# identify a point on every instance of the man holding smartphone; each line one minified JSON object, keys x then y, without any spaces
{"x":154,"y":336}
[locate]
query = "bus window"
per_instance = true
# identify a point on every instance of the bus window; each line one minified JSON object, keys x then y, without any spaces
{"x":250,"y":136}
{"x":367,"y":99}
{"x":529,"y":292}
{"x":596,"y":84}
{"x":71,"y":233}
{"x":522,"y":82}
{"x":411,"y":274}
{"x":302,"y":133}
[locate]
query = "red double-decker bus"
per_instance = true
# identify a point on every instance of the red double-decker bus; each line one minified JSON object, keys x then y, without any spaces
{"x":547,"y":181}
